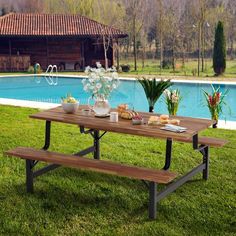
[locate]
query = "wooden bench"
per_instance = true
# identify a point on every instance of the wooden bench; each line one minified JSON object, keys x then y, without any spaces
{"x":153,"y":176}
{"x":211,"y":142}
{"x":107,"y":167}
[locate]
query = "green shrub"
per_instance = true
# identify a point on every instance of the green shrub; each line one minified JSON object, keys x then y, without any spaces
{"x":219,"y":55}
{"x":167,"y":64}
{"x":125,"y":68}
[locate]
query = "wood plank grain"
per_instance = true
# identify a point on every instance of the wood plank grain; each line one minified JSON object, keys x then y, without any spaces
{"x":212,"y":142}
{"x":107,"y":167}
{"x":193,"y":125}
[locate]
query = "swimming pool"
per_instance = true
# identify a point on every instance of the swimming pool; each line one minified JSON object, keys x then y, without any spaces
{"x":129,"y":91}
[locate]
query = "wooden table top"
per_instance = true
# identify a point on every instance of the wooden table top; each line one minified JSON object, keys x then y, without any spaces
{"x":57,"y":114}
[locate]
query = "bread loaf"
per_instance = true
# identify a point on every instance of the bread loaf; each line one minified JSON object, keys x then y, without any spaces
{"x":128,"y":115}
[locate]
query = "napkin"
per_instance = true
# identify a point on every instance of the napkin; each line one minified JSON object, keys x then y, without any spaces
{"x":174,"y":128}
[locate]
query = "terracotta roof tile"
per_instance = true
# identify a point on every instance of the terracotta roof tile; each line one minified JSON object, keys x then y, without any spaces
{"x":29,"y":24}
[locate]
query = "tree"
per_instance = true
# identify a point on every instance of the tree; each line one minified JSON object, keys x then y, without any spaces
{"x":107,"y":42}
{"x":136,"y":14}
{"x":160,"y":25}
{"x":110,"y":13}
{"x":219,"y":55}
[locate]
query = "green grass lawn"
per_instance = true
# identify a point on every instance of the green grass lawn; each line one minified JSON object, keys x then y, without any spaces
{"x":152,"y":67}
{"x":73,"y":202}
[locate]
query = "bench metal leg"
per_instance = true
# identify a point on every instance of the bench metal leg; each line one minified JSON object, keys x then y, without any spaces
{"x":206,"y":162}
{"x":29,"y":177}
{"x":152,"y":200}
{"x":96,"y":143}
{"x":168,"y":154}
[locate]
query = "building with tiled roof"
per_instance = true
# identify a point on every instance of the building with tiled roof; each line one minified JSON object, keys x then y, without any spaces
{"x":69,"y":41}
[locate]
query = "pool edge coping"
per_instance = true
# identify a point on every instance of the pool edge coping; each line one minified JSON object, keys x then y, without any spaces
{"x":133,"y":79}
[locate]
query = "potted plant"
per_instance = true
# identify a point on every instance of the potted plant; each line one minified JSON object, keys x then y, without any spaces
{"x":153,"y":89}
{"x":172,"y":100}
{"x":69,"y":104}
{"x":100,"y":83}
{"x":215,"y":102}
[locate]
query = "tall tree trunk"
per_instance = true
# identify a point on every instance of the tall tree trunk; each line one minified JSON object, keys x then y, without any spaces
{"x":143,"y":57}
{"x":203,"y":47}
{"x":127,"y":50}
{"x":134,"y":42}
{"x":173,"y":57}
{"x":161,"y":34}
{"x":199,"y":48}
{"x":118,"y":56}
{"x":231,"y":49}
{"x":105,"y":51}
{"x":161,"y":49}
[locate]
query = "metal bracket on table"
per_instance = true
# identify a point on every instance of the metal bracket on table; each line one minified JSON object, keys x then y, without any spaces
{"x":96,"y":140}
{"x":91,"y":131}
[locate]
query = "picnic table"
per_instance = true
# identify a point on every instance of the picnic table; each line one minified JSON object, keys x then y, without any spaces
{"x":97,"y":128}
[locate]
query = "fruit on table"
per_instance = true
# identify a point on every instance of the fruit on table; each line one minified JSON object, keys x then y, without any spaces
{"x":69,"y":99}
{"x":137,"y":120}
{"x":137,"y":117}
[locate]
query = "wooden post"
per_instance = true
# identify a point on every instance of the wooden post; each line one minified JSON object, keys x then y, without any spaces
{"x":113,"y":48}
{"x":9,"y":43}
{"x":47,"y":51}
{"x":82,"y":54}
{"x":118,"y":55}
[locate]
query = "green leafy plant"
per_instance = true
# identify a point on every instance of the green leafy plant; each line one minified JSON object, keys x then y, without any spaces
{"x":215,"y":102}
{"x":172,"y":100}
{"x":153,"y":89}
{"x":219,"y":54}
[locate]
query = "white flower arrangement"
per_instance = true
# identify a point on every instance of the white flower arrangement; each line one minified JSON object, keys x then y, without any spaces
{"x":172,"y":99}
{"x":100,"y":82}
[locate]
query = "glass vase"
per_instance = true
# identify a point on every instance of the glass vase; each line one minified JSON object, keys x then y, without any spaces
{"x":101,"y":106}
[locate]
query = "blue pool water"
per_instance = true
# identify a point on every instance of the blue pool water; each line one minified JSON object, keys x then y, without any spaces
{"x":193,"y":104}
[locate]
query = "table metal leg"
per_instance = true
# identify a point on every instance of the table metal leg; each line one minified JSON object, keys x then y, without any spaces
{"x":47,"y":135}
{"x":96,"y":142}
{"x":30,"y":163}
{"x":29,"y":176}
{"x":168,"y":154}
{"x":195,"y":141}
{"x":205,"y":172}
{"x":152,"y":200}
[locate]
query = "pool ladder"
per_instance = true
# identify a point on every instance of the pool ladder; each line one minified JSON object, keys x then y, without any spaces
{"x":51,"y":74}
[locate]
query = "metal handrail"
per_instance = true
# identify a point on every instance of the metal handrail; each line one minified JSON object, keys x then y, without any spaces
{"x":50,"y":75}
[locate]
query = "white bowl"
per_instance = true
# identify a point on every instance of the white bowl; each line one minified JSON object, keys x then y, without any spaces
{"x":70,"y":107}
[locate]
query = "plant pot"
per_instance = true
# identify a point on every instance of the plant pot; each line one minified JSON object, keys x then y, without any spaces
{"x":215,"y":125}
{"x":70,"y":108}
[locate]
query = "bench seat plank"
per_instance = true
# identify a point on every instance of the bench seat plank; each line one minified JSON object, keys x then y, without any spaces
{"x":108,"y":167}
{"x":211,"y":142}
